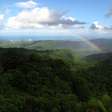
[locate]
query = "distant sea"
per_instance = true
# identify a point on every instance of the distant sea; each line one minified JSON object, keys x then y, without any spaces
{"x":38,"y":38}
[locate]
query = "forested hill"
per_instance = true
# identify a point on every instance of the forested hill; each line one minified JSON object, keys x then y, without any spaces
{"x":53,"y":81}
{"x":99,"y":57}
{"x":79,"y":47}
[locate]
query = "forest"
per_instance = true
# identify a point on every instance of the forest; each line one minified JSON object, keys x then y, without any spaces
{"x":54,"y":81}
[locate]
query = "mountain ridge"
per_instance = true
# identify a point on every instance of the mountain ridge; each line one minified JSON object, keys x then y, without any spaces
{"x":79,"y":47}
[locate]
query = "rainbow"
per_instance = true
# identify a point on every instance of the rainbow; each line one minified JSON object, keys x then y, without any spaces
{"x":91,"y":44}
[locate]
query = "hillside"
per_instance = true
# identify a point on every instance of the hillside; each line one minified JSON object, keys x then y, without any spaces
{"x":78,"y":47}
{"x":53,"y":81}
{"x":104,"y":44}
{"x":99,"y":57}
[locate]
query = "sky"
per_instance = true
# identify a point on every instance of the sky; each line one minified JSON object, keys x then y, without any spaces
{"x":72,"y":18}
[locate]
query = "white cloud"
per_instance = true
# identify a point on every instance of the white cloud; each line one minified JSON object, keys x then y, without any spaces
{"x":27,"y":5}
{"x":97,"y":26}
{"x":1,"y":17}
{"x":100,"y":27}
{"x":41,"y":17}
{"x":32,"y":17}
{"x":1,"y":20}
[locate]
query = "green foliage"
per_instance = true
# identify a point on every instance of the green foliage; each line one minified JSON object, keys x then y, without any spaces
{"x":95,"y":105}
{"x":53,"y":81}
{"x":107,"y":102}
{"x":11,"y":104}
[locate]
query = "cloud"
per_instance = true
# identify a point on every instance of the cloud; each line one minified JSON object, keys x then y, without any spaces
{"x":27,"y":5}
{"x":1,"y":17}
{"x":41,"y":17}
{"x":100,"y":27}
{"x":97,"y":26}
{"x":1,"y":20}
{"x":32,"y":16}
{"x":109,"y":13}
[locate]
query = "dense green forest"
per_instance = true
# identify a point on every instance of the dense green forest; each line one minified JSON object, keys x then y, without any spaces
{"x":53,"y":81}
